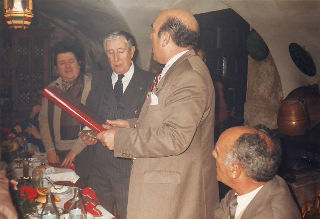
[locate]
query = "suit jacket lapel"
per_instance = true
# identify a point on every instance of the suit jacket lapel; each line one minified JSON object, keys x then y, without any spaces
{"x":172,"y":69}
{"x":133,"y":87}
{"x":107,"y":91}
{"x":257,"y":202}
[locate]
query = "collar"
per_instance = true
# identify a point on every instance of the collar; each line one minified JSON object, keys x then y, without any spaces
{"x":171,"y":61}
{"x":244,"y":200}
{"x":128,"y":75}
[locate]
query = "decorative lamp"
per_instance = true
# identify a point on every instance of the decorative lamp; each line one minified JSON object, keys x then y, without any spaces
{"x":18,"y":13}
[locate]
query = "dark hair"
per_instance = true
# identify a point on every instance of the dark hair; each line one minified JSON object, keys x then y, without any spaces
{"x":116,"y":34}
{"x":259,"y":160}
{"x":73,"y":47}
{"x":180,"y":33}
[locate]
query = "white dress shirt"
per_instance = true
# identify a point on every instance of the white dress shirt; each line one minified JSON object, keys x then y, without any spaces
{"x":170,"y":62}
{"x":125,"y":80}
{"x":244,"y":201}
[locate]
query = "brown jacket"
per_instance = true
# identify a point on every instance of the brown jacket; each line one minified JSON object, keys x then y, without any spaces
{"x":174,"y":174}
{"x":273,"y":201}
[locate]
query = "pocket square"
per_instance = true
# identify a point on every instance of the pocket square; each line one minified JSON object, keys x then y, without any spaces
{"x":154,"y":99}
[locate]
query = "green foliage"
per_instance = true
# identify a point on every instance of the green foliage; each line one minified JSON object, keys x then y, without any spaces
{"x":24,"y":207}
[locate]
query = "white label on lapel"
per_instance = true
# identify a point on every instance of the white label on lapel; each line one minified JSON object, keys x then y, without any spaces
{"x":154,"y":99}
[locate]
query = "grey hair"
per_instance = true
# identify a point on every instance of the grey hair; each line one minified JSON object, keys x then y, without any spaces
{"x":251,"y":151}
{"x":180,"y":33}
{"x":116,"y":34}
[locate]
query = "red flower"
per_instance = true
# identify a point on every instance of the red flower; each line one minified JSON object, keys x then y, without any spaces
{"x":28,"y":193}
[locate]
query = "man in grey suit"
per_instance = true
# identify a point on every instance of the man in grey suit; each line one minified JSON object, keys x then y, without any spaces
{"x":247,"y":160}
{"x":116,"y":95}
{"x":173,"y":173}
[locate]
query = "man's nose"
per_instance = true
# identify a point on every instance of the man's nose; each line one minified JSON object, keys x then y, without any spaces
{"x":116,"y":56}
{"x":68,"y":65}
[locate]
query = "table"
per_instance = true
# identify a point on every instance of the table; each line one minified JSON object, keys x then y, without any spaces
{"x":305,"y":185}
{"x":57,"y":174}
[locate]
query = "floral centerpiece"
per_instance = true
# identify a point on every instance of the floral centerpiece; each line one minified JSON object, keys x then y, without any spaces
{"x":24,"y":200}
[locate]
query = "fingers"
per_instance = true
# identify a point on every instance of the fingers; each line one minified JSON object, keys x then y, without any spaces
{"x":52,"y":157}
{"x":107,"y":138}
{"x":88,"y":140}
{"x":119,"y":123}
{"x":18,"y":128}
{"x":107,"y":125}
{"x":14,"y":184}
{"x":67,"y":162}
{"x":69,"y":159}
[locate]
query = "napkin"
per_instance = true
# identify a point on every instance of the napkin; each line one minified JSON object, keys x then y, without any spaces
{"x":61,"y":174}
{"x":91,"y":201}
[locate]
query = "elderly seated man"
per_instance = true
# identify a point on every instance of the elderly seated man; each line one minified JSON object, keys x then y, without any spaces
{"x":247,"y":161}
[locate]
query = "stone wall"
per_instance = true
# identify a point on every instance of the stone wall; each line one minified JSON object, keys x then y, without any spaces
{"x":264,"y":93}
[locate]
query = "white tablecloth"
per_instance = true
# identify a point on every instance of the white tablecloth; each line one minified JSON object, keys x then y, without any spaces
{"x":59,"y":174}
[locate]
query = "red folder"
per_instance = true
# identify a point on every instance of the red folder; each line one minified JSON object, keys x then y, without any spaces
{"x":51,"y":94}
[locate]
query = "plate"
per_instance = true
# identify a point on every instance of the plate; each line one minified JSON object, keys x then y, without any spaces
{"x":59,"y":189}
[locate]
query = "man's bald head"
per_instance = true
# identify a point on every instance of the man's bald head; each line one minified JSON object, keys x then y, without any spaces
{"x":184,"y":16}
{"x":182,"y":26}
{"x":255,"y":149}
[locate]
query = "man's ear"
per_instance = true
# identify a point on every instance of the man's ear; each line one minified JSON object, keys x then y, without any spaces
{"x":165,"y":38}
{"x":133,"y":49}
{"x":235,"y":170}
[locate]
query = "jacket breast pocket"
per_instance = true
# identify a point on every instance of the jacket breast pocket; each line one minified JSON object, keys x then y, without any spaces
{"x":162,"y":177}
{"x":154,"y":107}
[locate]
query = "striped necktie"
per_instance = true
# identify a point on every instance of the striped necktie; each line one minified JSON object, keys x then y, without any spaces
{"x":233,"y":206}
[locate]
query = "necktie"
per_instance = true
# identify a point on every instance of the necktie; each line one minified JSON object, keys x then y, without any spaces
{"x":233,"y":206}
{"x":118,"y":88}
{"x":155,"y":81}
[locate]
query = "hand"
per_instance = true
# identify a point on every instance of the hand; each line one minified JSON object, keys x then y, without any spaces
{"x":107,"y":138}
{"x":106,"y":125}
{"x":18,"y":129}
{"x":88,"y":140}
{"x":35,"y":132}
{"x":119,"y":123}
{"x":52,"y":157}
{"x":69,"y":159}
{"x":14,"y":184}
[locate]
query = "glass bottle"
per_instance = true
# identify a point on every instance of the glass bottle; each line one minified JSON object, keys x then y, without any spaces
{"x":25,"y":162}
{"x":49,"y":211}
{"x":77,"y":209}
{"x":25,"y":166}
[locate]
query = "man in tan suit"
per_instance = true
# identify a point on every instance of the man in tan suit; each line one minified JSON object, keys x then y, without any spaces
{"x":247,"y":161}
{"x":173,"y":174}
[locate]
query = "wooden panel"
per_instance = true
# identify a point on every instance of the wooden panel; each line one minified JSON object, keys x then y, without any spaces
{"x":223,"y":36}
{"x":30,"y":70}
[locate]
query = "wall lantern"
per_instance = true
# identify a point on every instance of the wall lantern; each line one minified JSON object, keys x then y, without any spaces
{"x":18,"y":13}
